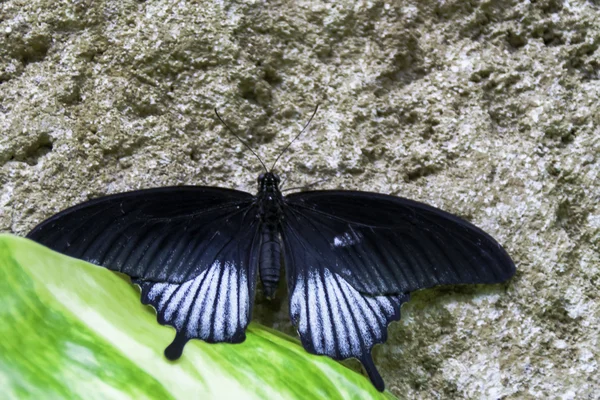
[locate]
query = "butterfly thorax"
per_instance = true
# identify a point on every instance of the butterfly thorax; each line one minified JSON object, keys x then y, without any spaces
{"x":269,"y":201}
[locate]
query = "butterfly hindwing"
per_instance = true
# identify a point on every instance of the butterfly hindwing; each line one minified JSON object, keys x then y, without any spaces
{"x":216,"y":305}
{"x":332,"y":317}
{"x":387,"y":245}
{"x":169,"y":234}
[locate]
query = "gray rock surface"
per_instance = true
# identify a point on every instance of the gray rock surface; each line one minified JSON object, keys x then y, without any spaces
{"x":487,"y":109}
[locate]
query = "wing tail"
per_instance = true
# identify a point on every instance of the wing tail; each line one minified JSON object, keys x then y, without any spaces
{"x":374,"y":375}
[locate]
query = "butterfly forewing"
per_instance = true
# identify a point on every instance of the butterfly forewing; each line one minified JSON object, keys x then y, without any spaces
{"x":163,"y":235}
{"x":386,"y":245}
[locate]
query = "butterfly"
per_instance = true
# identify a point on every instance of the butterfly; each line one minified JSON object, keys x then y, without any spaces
{"x":351,"y":258}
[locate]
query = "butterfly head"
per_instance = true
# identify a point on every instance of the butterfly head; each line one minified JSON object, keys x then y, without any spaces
{"x":268,"y":182}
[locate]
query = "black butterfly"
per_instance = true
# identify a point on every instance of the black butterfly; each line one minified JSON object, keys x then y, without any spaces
{"x":351,"y":258}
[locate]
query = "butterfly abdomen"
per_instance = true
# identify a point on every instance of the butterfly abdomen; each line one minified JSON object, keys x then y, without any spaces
{"x":270,"y":260}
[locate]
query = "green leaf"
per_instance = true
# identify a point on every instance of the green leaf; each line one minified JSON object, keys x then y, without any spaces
{"x":69,"y":329}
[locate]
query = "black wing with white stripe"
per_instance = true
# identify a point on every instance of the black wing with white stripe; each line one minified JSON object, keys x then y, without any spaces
{"x":170,"y":234}
{"x":192,"y":250}
{"x":352,"y":258}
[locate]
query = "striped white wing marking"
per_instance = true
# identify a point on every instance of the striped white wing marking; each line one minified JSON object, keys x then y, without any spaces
{"x":334,"y":319}
{"x":215,"y":306}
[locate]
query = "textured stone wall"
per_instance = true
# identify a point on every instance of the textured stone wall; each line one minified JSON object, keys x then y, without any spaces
{"x":487,"y":109}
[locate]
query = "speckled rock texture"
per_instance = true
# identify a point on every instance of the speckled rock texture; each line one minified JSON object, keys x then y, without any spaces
{"x":487,"y":109}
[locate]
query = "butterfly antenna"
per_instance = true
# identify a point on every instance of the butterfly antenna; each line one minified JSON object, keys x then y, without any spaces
{"x":241,"y":141}
{"x":297,"y":136}
{"x":306,"y":186}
